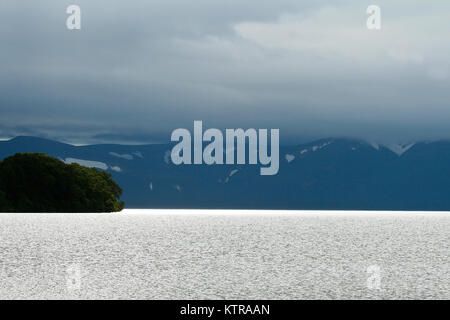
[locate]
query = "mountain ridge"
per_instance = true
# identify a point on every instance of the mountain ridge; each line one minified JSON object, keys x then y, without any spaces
{"x":332,"y":173}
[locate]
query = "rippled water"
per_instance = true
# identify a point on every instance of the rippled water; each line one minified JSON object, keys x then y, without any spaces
{"x":156,"y":255}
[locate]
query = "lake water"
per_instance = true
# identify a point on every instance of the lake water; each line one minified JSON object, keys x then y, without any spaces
{"x":158,"y":254}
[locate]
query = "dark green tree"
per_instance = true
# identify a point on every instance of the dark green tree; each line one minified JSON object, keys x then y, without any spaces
{"x":35,"y":182}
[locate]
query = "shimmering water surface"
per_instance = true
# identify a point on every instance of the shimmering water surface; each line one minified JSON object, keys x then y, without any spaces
{"x":233,"y":255}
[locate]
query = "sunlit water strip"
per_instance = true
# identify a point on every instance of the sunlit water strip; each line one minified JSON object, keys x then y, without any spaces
{"x":282,"y":212}
{"x":214,"y":254}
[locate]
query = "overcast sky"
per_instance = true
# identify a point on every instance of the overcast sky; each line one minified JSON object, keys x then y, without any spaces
{"x":139,"y":69}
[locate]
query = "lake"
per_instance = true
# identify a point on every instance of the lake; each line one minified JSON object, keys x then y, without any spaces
{"x":189,"y":254}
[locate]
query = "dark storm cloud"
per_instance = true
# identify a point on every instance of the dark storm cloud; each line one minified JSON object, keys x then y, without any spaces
{"x":139,"y":69}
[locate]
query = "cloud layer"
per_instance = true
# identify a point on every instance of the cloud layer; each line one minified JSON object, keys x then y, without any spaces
{"x":139,"y":69}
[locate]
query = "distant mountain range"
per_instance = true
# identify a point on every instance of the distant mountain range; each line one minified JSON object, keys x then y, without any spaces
{"x":326,"y":174}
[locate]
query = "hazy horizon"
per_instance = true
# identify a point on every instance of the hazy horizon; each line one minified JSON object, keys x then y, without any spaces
{"x":283,"y":143}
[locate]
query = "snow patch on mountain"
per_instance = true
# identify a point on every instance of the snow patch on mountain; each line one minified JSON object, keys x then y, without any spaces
{"x":123,"y":156}
{"x":116,"y":169}
{"x":87,"y":163}
{"x":167,"y":157}
{"x":232,"y":172}
{"x":138,"y":154}
{"x":315,"y":148}
{"x":289,"y":158}
{"x":376,"y":146}
{"x":318,"y":147}
{"x":399,"y":149}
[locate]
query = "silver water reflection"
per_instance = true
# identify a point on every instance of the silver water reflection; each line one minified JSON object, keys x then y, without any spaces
{"x":233,"y":256}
